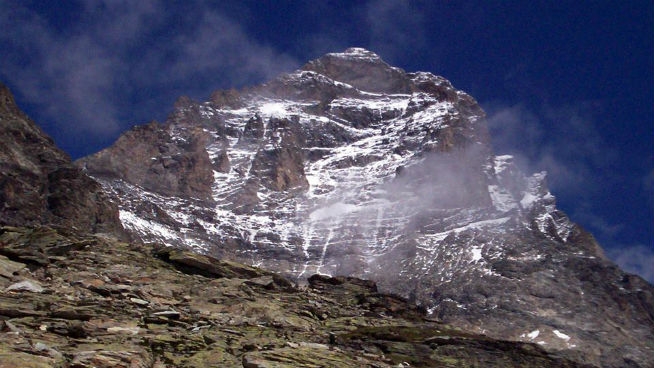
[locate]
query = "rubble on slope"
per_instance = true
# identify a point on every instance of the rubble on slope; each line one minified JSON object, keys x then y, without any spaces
{"x":95,"y":301}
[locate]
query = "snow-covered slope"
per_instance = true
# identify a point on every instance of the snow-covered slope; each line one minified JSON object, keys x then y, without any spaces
{"x":349,"y":166}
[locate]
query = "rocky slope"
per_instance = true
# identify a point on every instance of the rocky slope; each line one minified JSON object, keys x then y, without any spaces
{"x":352,"y":167}
{"x":75,"y":300}
{"x":38,"y":182}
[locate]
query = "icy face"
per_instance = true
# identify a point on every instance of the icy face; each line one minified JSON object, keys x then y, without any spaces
{"x":379,"y":177}
{"x":379,"y":180}
{"x":390,"y":186}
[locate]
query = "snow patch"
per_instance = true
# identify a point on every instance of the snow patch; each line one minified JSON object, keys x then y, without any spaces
{"x":484,"y":223}
{"x":273,"y":109}
{"x":476,"y":253}
{"x":132,"y":221}
{"x":502,"y":163}
{"x":502,"y":200}
{"x":561,"y":335}
{"x":334,"y":210}
{"x":528,"y":200}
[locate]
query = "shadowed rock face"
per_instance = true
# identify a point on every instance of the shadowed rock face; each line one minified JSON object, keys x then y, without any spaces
{"x":74,"y":300}
{"x":38,"y":182}
{"x":352,"y":167}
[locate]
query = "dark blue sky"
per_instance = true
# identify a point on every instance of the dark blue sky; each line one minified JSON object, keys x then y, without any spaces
{"x":568,"y":85}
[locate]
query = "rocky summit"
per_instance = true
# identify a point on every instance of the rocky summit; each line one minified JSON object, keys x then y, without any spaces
{"x":345,"y":170}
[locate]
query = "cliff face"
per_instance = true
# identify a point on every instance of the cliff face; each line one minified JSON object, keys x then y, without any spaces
{"x":352,"y":167}
{"x":152,"y":157}
{"x":40,"y":185}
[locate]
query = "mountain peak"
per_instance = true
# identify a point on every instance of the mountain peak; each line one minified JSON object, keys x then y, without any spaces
{"x":353,"y":167}
{"x":358,"y":53}
{"x":362,"y":69}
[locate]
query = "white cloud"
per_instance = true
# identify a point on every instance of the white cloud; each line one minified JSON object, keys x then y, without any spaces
{"x":217,"y":43}
{"x":602,"y":228}
{"x":565,"y":142}
{"x":561,"y":140}
{"x":638,"y":259}
{"x":118,"y":58}
{"x":73,"y":74}
{"x":395,"y":28}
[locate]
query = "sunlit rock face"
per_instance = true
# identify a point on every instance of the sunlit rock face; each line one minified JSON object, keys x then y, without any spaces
{"x":352,"y":167}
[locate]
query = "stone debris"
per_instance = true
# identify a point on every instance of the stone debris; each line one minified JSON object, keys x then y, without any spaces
{"x":8,"y":267}
{"x":29,"y":286}
{"x":115,"y":304}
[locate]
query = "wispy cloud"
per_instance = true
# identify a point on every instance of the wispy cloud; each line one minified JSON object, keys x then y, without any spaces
{"x":118,"y":57}
{"x":564,"y":141}
{"x":602,"y":228}
{"x":395,"y":28}
{"x":73,"y":73}
{"x":217,"y":45}
{"x":636,"y":259}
